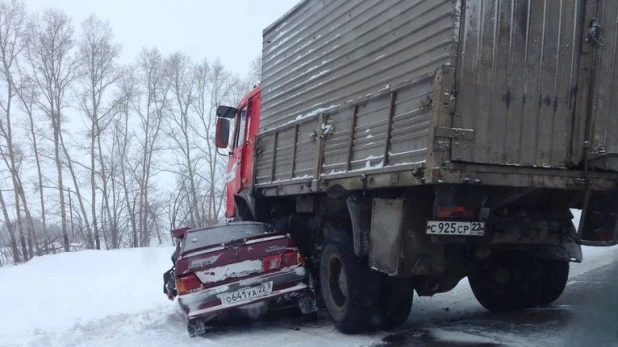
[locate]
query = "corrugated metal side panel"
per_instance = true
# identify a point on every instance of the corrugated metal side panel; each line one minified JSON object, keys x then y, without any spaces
{"x":388,"y":129}
{"x":264,"y":160}
{"x":337,"y":145}
{"x":605,"y":88}
{"x":516,"y":81}
{"x":326,"y":53}
{"x":306,"y":150}
{"x":288,"y":153}
{"x":404,"y":141}
{"x":372,"y":116}
{"x":410,"y":129}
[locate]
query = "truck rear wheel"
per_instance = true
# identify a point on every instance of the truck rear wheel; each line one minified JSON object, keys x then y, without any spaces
{"x":551,"y":286}
{"x":396,"y":296}
{"x":503,"y":283}
{"x":348,"y":287}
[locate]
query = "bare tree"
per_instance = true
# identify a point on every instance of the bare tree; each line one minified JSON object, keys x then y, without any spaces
{"x":216,"y":86}
{"x":117,"y":219}
{"x":98,"y":54}
{"x":12,"y":43}
{"x":11,"y":232}
{"x":211,"y":81}
{"x":54,"y":67}
{"x":181,"y":129}
{"x":122,"y":141}
{"x":176,"y":201}
{"x":28,"y":94}
{"x":133,"y":119}
{"x":150,"y":105}
{"x":255,"y":71}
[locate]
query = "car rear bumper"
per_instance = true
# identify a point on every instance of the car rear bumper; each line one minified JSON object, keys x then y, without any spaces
{"x":206,"y":302}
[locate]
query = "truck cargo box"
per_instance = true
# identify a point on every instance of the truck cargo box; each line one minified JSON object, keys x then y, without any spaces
{"x":352,"y":87}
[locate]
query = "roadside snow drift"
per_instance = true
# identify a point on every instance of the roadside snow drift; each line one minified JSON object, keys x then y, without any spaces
{"x":56,"y":292}
{"x":115,"y":298}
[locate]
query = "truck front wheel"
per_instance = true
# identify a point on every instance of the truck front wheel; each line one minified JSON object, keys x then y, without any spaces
{"x":348,"y":287}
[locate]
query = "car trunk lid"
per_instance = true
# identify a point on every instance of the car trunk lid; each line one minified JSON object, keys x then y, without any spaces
{"x":239,"y":259}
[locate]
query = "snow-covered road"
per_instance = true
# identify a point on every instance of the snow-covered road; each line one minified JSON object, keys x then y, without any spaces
{"x":114,"y":298}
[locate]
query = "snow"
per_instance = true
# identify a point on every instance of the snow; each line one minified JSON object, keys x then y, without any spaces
{"x":204,"y":261}
{"x":221,"y":273}
{"x":115,"y":298}
{"x":68,"y":290}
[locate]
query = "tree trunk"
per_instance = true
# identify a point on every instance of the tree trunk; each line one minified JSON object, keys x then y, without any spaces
{"x":10,"y":229}
{"x":93,"y":187}
{"x":105,"y":192}
{"x":63,"y":213}
{"x":80,"y":200}
{"x":37,"y":159}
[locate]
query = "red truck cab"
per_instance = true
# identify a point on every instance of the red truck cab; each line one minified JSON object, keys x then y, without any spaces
{"x":241,"y":145}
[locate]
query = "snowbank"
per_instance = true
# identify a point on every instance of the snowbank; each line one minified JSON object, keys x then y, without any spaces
{"x":59,"y":291}
{"x":115,"y":298}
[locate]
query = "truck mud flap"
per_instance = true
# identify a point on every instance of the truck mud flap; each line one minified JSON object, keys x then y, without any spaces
{"x":599,"y":221}
{"x":398,"y":244}
{"x":360,"y":214}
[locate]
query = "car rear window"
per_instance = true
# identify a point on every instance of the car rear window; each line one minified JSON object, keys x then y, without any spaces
{"x":222,"y":234}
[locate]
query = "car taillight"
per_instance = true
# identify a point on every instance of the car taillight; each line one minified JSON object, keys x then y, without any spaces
{"x":271,"y":262}
{"x":456,"y":212}
{"x":291,"y":259}
{"x":187,"y":284}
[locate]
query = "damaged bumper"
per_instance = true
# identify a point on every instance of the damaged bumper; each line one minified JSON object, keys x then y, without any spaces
{"x":206,"y":303}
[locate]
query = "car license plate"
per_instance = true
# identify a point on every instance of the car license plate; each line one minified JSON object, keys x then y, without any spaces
{"x":455,"y":228}
{"x":246,"y":294}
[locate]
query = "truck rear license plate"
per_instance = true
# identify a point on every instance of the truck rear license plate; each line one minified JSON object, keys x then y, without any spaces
{"x":455,"y":228}
{"x":246,"y":294}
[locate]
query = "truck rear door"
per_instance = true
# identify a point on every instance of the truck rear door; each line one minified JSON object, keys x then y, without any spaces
{"x":517,"y":79}
{"x":536,"y":84}
{"x":602,"y":35}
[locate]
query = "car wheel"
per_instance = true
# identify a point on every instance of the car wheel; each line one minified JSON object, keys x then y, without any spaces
{"x":503,"y":283}
{"x":396,"y":295}
{"x":551,"y":286}
{"x":196,"y":327}
{"x":348,"y":287}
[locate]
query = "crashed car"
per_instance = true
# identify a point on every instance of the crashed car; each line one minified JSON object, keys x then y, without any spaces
{"x":242,"y":266}
{"x":169,"y":281}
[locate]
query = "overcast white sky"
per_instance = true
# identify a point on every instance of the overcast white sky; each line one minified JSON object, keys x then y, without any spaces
{"x":228,"y":29}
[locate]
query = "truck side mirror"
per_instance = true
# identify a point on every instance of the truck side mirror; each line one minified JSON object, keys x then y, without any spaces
{"x":226,"y":112}
{"x":222,"y":133}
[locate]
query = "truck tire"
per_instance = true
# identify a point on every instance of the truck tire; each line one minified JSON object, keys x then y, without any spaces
{"x":348,"y":287}
{"x":503,"y":283}
{"x":551,"y":286}
{"x":396,"y":295}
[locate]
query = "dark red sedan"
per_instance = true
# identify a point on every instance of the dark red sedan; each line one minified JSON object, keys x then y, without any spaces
{"x":244,"y":266}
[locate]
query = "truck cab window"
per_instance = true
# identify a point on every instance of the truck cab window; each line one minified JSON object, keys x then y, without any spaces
{"x":241,"y":123}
